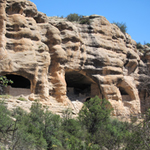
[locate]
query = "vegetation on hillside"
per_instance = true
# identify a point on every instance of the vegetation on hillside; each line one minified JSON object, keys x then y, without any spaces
{"x":122,"y":26}
{"x":4,"y":82}
{"x":78,"y":18}
{"x":92,"y":130}
{"x":148,"y":44}
{"x":140,"y":46}
{"x":73,"y":17}
{"x":83,"y":20}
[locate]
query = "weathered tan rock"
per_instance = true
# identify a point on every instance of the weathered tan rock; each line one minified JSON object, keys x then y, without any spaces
{"x":66,"y":61}
{"x":3,"y":52}
{"x":31,"y":97}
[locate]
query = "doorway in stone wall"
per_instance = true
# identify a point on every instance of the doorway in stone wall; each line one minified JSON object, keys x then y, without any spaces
{"x":20,"y":85}
{"x":79,"y":86}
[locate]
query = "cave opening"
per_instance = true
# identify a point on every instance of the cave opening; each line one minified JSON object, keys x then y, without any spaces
{"x":122,"y":91}
{"x":18,"y":81}
{"x":78,"y":86}
{"x":20,"y":85}
{"x":124,"y":94}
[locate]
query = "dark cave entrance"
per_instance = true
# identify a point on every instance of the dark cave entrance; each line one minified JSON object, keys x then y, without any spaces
{"x":20,"y":85}
{"x":18,"y":81}
{"x":124,"y":94}
{"x":122,"y":91}
{"x":78,"y":86}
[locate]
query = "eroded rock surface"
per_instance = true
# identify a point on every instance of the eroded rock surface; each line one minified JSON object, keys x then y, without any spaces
{"x":66,"y":61}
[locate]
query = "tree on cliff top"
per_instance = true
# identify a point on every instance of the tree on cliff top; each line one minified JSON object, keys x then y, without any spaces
{"x":122,"y":26}
{"x":73,"y":17}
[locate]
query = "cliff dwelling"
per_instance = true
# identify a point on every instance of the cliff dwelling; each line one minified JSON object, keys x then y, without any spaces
{"x":19,"y":86}
{"x":80,"y":87}
{"x":94,"y":57}
{"x":125,"y":96}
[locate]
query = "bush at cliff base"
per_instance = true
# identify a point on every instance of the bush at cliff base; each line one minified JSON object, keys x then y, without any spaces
{"x":93,"y":129}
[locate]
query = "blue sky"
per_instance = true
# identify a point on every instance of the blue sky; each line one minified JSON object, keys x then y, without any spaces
{"x":135,"y":13}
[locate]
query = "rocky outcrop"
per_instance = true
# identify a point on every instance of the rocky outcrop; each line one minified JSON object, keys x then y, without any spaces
{"x":66,"y":61}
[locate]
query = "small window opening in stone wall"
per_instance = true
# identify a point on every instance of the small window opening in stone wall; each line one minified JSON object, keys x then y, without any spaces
{"x":124,"y":94}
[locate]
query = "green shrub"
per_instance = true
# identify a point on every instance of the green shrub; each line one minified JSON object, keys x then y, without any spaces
{"x":122,"y":26}
{"x":4,"y":82}
{"x":95,"y":113}
{"x":22,"y":99}
{"x":84,"y":21}
{"x":5,"y":96}
{"x":52,"y":123}
{"x":6,"y":123}
{"x":78,"y":18}
{"x":102,"y":130}
{"x":71,"y":134}
{"x":139,"y":45}
{"x":73,"y":17}
{"x":92,"y":130}
{"x":28,"y":134}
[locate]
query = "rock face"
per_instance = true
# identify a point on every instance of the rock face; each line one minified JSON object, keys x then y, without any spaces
{"x":60,"y":61}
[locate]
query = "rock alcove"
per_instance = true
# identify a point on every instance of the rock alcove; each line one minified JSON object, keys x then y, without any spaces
{"x":124,"y":94}
{"x":79,"y":86}
{"x":19,"y":86}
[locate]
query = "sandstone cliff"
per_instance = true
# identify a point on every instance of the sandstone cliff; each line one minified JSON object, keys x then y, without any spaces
{"x":61,"y":62}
